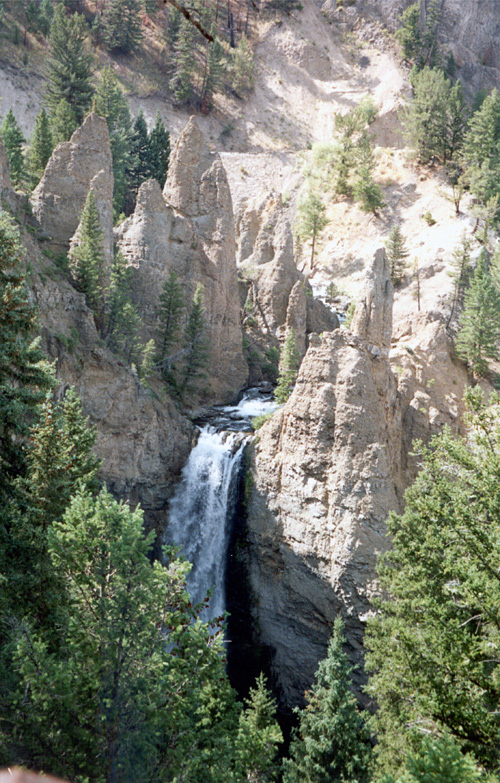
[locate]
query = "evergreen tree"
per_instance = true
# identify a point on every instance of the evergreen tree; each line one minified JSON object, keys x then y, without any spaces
{"x":122,"y":26}
{"x":479,"y":323}
{"x":456,"y":120}
{"x":139,"y":164}
{"x":331,"y":741}
{"x":86,"y":256}
{"x":426,"y":118}
{"x":125,"y":696}
{"x":441,"y":761}
{"x":481,"y":152}
{"x":242,"y":68}
{"x":434,"y":643}
{"x":214,"y":69}
{"x":70,"y":70}
{"x":259,"y":735}
{"x":24,"y":375}
{"x":63,"y":122}
{"x":159,"y":151}
{"x":118,"y":295}
{"x":110,"y":103}
{"x":460,"y":273}
{"x":59,"y":461}
{"x":366,"y":190}
{"x":41,"y":146}
{"x":46,"y":16}
{"x":397,"y":253}
{"x":13,"y":141}
{"x":184,"y":64}
{"x":170,"y":314}
{"x":148,"y":364}
{"x":311,"y":220}
{"x":408,"y":34}
{"x":288,"y":368}
{"x":197,"y":350}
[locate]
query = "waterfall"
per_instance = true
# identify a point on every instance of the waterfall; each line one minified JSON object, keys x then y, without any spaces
{"x":203,"y":503}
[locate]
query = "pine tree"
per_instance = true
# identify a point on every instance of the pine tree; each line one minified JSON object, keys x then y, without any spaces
{"x":213,"y":71}
{"x":110,"y":103}
{"x":70,"y":68}
{"x":434,"y":642}
{"x":480,"y":156}
{"x":159,"y":151}
{"x":126,"y":695}
{"x":311,"y":220}
{"x":366,"y":190}
{"x":479,"y":323}
{"x":460,"y":272}
{"x":122,"y":26}
{"x":118,"y":294}
{"x":13,"y":141}
{"x":197,"y":350}
{"x":397,"y":253}
{"x":184,"y":64}
{"x":331,"y":741}
{"x":46,"y":16}
{"x":242,"y":69}
{"x":63,"y":122}
{"x":59,"y":461}
{"x":41,"y":146}
{"x":139,"y":168}
{"x":170,"y":314}
{"x":148,"y":364}
{"x":86,"y":256}
{"x":24,"y":374}
{"x":288,"y":368}
{"x":408,"y":34}
{"x":259,"y":735}
{"x":441,"y":761}
{"x":426,"y":118}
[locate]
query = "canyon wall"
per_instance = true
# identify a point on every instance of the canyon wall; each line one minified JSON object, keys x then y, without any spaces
{"x":470,"y":29}
{"x":189,"y":229}
{"x":330,"y":466}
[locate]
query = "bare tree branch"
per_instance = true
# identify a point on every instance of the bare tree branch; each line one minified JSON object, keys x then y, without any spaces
{"x":182,"y":10}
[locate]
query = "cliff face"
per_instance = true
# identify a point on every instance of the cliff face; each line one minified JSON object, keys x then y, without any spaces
{"x":141,"y":437}
{"x":469,"y":28}
{"x":325,"y":476}
{"x":330,"y":466}
{"x":75,"y":166}
{"x":189,"y":230}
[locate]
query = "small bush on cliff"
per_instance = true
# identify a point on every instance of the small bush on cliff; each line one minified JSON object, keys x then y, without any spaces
{"x":288,"y":368}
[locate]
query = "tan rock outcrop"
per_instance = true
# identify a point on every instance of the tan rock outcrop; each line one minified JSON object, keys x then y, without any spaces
{"x":141,"y":437}
{"x":75,"y":166}
{"x":278,"y":295}
{"x":190,"y":230}
{"x":325,"y":472}
{"x":468,"y":28}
